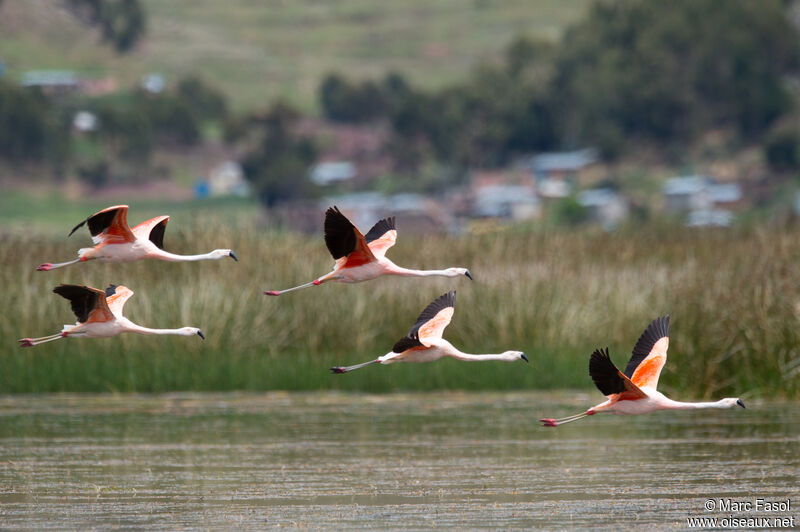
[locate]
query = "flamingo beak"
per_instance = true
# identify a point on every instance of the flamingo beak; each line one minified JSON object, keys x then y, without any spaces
{"x":200,"y":334}
{"x":469,"y":275}
{"x":740,"y":403}
{"x":233,"y":256}
{"x":523,"y":357}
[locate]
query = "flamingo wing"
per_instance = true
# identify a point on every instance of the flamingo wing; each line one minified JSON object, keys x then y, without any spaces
{"x":345,"y":241}
{"x":116,"y":296}
{"x":88,"y":304}
{"x":381,"y":237}
{"x":430,"y":325}
{"x":109,"y":226}
{"x":649,"y":354}
{"x":153,"y":229}
{"x":609,"y":379}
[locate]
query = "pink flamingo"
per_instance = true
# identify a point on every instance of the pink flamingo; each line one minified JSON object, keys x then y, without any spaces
{"x":361,"y":258}
{"x":634,"y":391}
{"x":115,"y":241}
{"x":99,"y":315}
{"x":424,"y":342}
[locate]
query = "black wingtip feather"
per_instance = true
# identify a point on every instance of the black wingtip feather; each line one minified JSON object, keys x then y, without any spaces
{"x":604,"y":373}
{"x":157,"y":234}
{"x":443,"y":301}
{"x":111,"y":290}
{"x":77,"y":227}
{"x":81,"y":298}
{"x":380,"y":229}
{"x":340,"y":237}
{"x":658,"y":329}
{"x":412,"y":338}
{"x":405,"y":343}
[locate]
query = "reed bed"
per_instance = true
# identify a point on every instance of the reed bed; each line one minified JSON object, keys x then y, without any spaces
{"x":557,"y":295}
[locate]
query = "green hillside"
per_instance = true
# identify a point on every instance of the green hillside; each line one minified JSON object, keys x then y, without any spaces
{"x":257,"y":51}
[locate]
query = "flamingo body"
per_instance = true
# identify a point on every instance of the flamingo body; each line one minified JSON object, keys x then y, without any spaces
{"x":115,"y":241}
{"x":99,"y":315}
{"x":634,"y":391}
{"x":424,"y":342}
{"x":360,"y":257}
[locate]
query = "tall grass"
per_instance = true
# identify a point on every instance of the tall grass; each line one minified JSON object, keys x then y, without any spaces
{"x":733,"y":297}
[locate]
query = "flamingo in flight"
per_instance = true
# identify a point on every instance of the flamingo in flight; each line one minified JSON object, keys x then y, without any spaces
{"x":634,"y":391}
{"x":361,"y":257}
{"x":115,"y":241}
{"x":100,"y":315}
{"x":424,"y":342}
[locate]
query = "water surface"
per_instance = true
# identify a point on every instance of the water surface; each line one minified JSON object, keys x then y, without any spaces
{"x":412,"y":461}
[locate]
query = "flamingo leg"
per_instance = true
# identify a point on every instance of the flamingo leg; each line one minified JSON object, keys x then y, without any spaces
{"x":345,"y":369}
{"x":30,"y":342}
{"x":47,"y":266}
{"x":550,"y":422}
{"x":327,"y":277}
{"x":279,"y":292}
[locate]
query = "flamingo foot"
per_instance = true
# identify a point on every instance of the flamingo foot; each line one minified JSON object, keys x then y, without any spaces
{"x":26,"y":342}
{"x":339,"y":369}
{"x":46,"y":267}
{"x":272,"y":293}
{"x":548,"y":422}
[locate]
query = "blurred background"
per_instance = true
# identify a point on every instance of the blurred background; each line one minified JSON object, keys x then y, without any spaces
{"x":594,"y":163}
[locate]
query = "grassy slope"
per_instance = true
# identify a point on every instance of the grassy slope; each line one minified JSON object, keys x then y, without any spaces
{"x":256,"y":51}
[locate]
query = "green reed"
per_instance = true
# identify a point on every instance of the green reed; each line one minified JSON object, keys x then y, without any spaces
{"x":558,"y":295}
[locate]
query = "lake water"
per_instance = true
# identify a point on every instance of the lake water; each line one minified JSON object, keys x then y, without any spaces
{"x":410,"y":461}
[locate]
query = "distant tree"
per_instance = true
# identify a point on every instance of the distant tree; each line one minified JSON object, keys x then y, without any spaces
{"x":782,"y":149}
{"x":25,"y":123}
{"x":121,"y":22}
{"x":668,"y":70}
{"x":172,"y":119}
{"x":205,"y":102}
{"x":568,"y":211}
{"x":127,"y":132}
{"x":277,"y":164}
{"x":343,"y":101}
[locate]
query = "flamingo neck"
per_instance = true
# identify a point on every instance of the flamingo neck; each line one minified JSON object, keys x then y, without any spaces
{"x":172,"y":257}
{"x":467,"y":357}
{"x":138,"y":329}
{"x":680,"y":405}
{"x":394,"y":269}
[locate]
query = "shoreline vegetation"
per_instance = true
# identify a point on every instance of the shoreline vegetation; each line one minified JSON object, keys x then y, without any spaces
{"x":555,"y":294}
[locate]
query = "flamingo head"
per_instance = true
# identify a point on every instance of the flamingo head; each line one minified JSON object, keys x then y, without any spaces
{"x":730,"y":402}
{"x":455,"y":272}
{"x":191,"y":331}
{"x":222,"y":253}
{"x":512,"y":356}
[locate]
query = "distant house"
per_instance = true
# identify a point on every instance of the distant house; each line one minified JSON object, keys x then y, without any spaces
{"x":153,"y":82}
{"x":51,"y":81}
{"x":227,"y":178}
{"x":563,"y":164}
{"x":506,"y":194}
{"x":707,"y":202}
{"x":557,"y":172}
{"x":726,"y":195}
{"x":513,"y":202}
{"x":605,"y":206}
{"x":84,"y":121}
{"x":328,"y":173}
{"x":56,"y":82}
{"x":709,"y":218}
{"x":686,"y":193}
